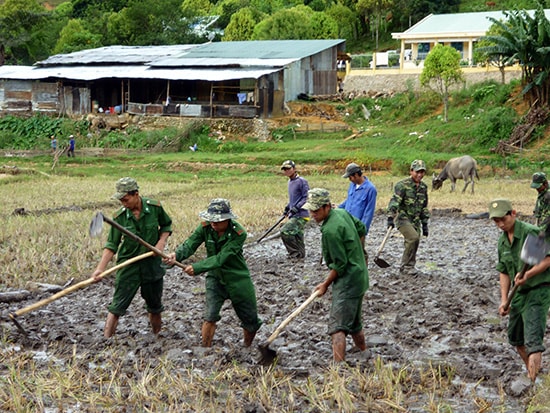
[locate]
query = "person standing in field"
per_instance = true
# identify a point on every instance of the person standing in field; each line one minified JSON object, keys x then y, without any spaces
{"x":70,"y":150}
{"x":147,"y":219}
{"x":342,"y":249}
{"x":53,"y":143}
{"x":361,"y":200}
{"x":529,"y":307}
{"x":292,"y":233}
{"x":227,"y":275}
{"x":408,"y":209}
{"x":542,"y":205}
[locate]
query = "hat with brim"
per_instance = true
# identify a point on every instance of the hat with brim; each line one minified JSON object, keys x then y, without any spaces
{"x":351,"y":169}
{"x":125,"y":185}
{"x":316,"y":198}
{"x":499,"y":208}
{"x":539,"y":179}
{"x":219,"y":210}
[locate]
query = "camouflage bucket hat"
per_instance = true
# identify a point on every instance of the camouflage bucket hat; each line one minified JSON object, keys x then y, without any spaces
{"x":316,"y":198}
{"x":351,"y":169}
{"x":539,"y":178}
{"x":218,"y":210}
{"x":125,"y":185}
{"x":418,"y":165}
{"x":499,"y":208}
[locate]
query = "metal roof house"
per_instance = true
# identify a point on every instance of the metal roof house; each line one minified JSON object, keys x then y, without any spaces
{"x":459,"y":30}
{"x":224,"y":79}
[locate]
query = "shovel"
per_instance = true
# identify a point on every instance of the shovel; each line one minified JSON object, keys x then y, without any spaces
{"x":97,"y":225}
{"x":269,"y":355}
{"x":13,"y":315}
{"x":533,"y":252}
{"x":377,"y":260}
{"x":272,"y":228}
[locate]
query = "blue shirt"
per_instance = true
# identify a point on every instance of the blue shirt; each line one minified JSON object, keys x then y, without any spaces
{"x":361,"y":202}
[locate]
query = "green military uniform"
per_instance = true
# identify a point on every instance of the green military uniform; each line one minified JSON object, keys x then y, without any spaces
{"x":410,"y":204}
{"x":227,"y":276}
{"x":343,"y":252}
{"x":147,"y":273}
{"x":529,"y":307}
{"x":542,"y":207}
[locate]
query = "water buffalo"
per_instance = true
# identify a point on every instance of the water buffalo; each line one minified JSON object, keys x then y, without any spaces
{"x":464,"y":167}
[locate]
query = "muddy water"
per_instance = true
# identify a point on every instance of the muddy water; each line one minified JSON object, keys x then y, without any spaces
{"x":446,"y":315}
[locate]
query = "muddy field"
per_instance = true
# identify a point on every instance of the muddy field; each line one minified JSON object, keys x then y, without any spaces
{"x":446,"y":315}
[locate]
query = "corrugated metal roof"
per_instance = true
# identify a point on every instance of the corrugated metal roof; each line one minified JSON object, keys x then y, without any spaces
{"x":245,"y":53}
{"x":454,"y":24}
{"x":260,"y":49}
{"x":117,"y":55}
{"x":220,"y":62}
{"x":87,"y":73}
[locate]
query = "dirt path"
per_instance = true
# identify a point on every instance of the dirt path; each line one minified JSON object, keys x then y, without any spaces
{"x":446,"y":315}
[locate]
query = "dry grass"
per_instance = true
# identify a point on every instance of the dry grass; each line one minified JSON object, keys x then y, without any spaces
{"x":51,"y":244}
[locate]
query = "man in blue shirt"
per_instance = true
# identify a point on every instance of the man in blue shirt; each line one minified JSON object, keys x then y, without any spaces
{"x":361,"y":200}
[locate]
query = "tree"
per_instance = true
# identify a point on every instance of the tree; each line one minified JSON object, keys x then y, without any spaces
{"x":22,"y":26}
{"x":286,"y":24}
{"x":347,"y":20}
{"x":241,"y":26}
{"x":490,"y":53}
{"x":376,"y":8}
{"x":441,"y":71}
{"x":75,"y":37}
{"x":524,"y":38}
{"x":323,"y":26}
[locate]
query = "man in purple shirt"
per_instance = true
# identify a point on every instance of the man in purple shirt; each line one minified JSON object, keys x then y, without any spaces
{"x":361,"y":200}
{"x":292,"y":233}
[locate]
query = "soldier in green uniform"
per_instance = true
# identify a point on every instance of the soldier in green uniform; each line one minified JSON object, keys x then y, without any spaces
{"x":342,"y":248}
{"x":148,"y":220}
{"x":409,"y":204}
{"x":542,"y":206}
{"x":529,"y":307}
{"x":227,"y":275}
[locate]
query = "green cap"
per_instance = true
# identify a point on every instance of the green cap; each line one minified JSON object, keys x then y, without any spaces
{"x":125,"y":185}
{"x":219,"y":210}
{"x":499,"y":208}
{"x":418,"y":165}
{"x":288,"y":164}
{"x":316,"y":198}
{"x":351,"y":169}
{"x":539,"y":179}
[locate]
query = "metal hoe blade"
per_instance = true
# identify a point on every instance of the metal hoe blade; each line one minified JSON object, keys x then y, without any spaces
{"x":534,"y":250}
{"x":96,"y":225}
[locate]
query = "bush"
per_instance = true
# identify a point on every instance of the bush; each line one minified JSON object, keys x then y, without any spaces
{"x":495,"y":124}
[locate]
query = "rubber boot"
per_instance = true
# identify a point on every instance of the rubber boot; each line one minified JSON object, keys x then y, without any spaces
{"x":156,"y":322}
{"x":248,"y":337}
{"x":110,"y":325}
{"x":208,"y":330}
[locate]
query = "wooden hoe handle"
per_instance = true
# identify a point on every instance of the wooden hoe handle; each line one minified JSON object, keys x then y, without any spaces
{"x":78,"y":286}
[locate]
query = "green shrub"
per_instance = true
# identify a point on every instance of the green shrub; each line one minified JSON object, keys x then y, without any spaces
{"x":494,"y":124}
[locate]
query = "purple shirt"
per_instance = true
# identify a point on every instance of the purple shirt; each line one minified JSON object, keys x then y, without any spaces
{"x":297,"y":195}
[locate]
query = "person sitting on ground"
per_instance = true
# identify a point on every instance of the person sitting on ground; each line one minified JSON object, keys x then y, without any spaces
{"x":227,"y":275}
